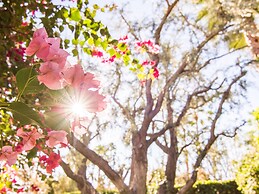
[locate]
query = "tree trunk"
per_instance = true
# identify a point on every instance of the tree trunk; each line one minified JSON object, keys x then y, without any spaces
{"x":171,"y":161}
{"x":138,"y":165}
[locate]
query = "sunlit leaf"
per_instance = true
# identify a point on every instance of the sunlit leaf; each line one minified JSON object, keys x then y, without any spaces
{"x":201,"y":14}
{"x":27,"y":81}
{"x":24,"y":114}
{"x":90,"y":41}
{"x":75,"y":14}
{"x":237,"y":41}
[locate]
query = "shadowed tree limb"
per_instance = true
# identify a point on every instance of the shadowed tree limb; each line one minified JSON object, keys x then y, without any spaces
{"x":100,"y":162}
{"x":86,"y":187}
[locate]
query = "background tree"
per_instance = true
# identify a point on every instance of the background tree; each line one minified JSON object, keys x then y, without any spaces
{"x":248,"y":171}
{"x":174,"y":84}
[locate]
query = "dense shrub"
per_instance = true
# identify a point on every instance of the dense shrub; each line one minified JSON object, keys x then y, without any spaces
{"x":215,"y":187}
{"x":208,"y":187}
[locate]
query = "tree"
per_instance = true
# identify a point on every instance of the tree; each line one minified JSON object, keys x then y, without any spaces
{"x":248,"y":171}
{"x":173,"y":93}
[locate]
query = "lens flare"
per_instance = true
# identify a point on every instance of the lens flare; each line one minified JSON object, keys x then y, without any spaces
{"x":77,"y":109}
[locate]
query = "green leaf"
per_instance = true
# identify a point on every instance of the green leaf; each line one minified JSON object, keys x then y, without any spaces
{"x":61,"y":28}
{"x":75,"y":14}
{"x":67,"y":41}
{"x":98,"y":42}
{"x":126,"y":59}
{"x":122,"y":46}
{"x":27,"y":81}
{"x":81,"y":43}
{"x":75,"y":52}
{"x":212,"y":22}
{"x":90,"y":41}
{"x":87,"y":22}
{"x":71,"y":27}
{"x":95,"y":6}
{"x":201,"y":14}
{"x":86,"y":35}
{"x":32,"y":153}
{"x":75,"y":41}
{"x":33,"y":86}
{"x":104,"y":45}
{"x":87,"y":50}
{"x":112,"y":52}
{"x":237,"y":41}
{"x":65,"y":13}
{"x":23,"y":113}
{"x":56,"y":121}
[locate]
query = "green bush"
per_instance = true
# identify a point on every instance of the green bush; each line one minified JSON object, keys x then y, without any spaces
{"x":208,"y":187}
{"x":215,"y":187}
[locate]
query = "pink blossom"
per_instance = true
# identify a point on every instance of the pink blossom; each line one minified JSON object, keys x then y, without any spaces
{"x":97,"y":53}
{"x":43,"y":46}
{"x":51,"y":48}
{"x":92,"y":101}
{"x":50,"y":162}
{"x":56,"y":137}
{"x":8,"y":155}
{"x":57,"y":55}
{"x":156,"y":73}
{"x":76,"y":77}
{"x":38,"y":42}
{"x":51,"y":75}
{"x":149,"y":45}
{"x":79,"y":125}
{"x":29,"y":138}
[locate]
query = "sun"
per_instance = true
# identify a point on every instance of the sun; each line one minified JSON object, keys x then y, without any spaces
{"x":77,"y":109}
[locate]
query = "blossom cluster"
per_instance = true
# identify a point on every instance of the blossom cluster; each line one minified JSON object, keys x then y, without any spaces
{"x":29,"y":136}
{"x":121,"y":52}
{"x":56,"y":72}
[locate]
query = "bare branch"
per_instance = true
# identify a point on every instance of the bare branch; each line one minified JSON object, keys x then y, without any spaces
{"x":84,"y":184}
{"x":125,"y":111}
{"x":223,"y":99}
{"x":212,"y":138}
{"x":129,"y":26}
{"x":234,"y":133}
{"x":162,"y":147}
{"x":154,"y":136}
{"x":98,"y":161}
{"x":163,"y":21}
{"x":167,"y":2}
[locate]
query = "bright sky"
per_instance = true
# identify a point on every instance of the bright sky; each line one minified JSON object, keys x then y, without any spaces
{"x":137,"y":10}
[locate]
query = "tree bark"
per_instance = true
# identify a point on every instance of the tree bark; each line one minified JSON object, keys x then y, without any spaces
{"x":139,"y":164}
{"x":171,"y":161}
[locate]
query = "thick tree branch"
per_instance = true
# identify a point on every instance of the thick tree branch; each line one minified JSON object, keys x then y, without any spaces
{"x":149,"y":98}
{"x":162,"y":147}
{"x":100,"y":162}
{"x":87,"y":186}
{"x":154,"y":136}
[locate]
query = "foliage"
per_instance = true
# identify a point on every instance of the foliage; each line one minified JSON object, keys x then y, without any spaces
{"x":247,"y":175}
{"x":214,"y":187}
{"x":210,"y":187}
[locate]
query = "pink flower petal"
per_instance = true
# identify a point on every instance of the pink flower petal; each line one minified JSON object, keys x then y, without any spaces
{"x":56,"y":137}
{"x":8,"y":155}
{"x":29,"y":138}
{"x":38,"y":42}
